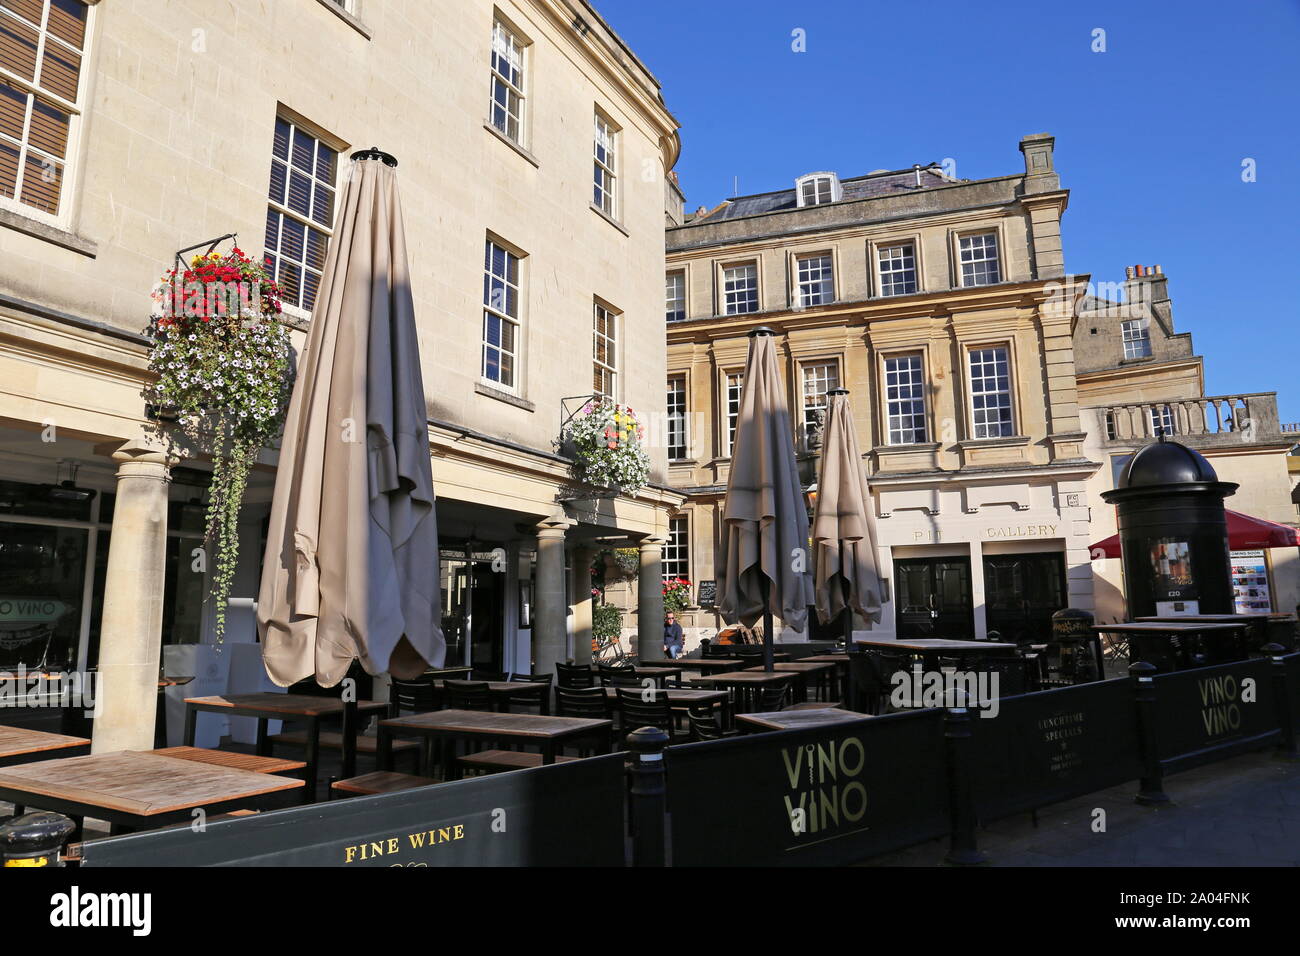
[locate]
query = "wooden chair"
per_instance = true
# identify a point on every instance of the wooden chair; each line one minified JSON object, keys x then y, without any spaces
{"x":574,"y":676}
{"x":616,"y":675}
{"x":589,"y":702}
{"x":542,"y":703}
{"x":638,"y":712}
{"x":419,"y":696}
{"x":704,"y":725}
{"x":774,"y":696}
{"x":468,"y":695}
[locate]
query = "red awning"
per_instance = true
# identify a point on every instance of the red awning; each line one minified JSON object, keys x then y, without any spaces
{"x":1244,"y":534}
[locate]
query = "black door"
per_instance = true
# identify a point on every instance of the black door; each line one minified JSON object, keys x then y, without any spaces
{"x":1021,"y":593}
{"x":934,"y":598}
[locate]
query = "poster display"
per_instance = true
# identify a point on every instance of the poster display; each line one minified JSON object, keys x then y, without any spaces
{"x":1250,"y":591}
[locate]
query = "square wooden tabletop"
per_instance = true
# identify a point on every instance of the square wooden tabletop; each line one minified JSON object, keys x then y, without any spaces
{"x":758,"y":676}
{"x":136,"y":783}
{"x":786,"y":719}
{"x":488,"y":722}
{"x":272,"y":704}
{"x":17,"y":741}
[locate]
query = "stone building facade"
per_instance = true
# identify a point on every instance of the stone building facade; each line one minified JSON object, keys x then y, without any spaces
{"x":1138,"y":376}
{"x":944,"y":307}
{"x":534,"y":149}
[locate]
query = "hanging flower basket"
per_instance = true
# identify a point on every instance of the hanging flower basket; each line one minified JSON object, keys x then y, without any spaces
{"x":606,"y":438}
{"x":677,"y":595}
{"x":222,"y":359}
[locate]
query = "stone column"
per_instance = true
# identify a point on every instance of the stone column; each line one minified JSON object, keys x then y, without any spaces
{"x":130,"y":647}
{"x":582,"y":603}
{"x":550,"y":608}
{"x":650,"y":600}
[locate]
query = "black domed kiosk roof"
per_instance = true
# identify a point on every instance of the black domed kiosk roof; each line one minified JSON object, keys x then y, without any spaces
{"x":1168,"y":466}
{"x":1166,"y":463}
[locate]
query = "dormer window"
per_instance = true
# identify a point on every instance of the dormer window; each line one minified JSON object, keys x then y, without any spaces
{"x":817,"y":188}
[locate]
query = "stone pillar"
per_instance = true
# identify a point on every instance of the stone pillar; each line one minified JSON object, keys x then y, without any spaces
{"x":650,"y":600}
{"x":581,"y":586}
{"x":550,"y":633}
{"x":130,"y":647}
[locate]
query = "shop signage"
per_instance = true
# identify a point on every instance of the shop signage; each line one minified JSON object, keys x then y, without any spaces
{"x":1022,"y":531}
{"x":21,"y":613}
{"x":706,"y":594}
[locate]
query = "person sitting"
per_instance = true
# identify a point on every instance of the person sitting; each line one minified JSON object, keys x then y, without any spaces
{"x":673,"y":636}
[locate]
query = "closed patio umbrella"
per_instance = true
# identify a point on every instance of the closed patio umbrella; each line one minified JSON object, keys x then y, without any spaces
{"x":351,"y":566}
{"x":844,"y":556}
{"x":763,"y":560}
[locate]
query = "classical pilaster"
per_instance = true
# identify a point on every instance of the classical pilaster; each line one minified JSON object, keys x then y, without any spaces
{"x":549,"y":631}
{"x":130,"y":646}
{"x":650,"y":600}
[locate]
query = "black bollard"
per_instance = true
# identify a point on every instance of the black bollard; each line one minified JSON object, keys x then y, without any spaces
{"x":962,"y":848}
{"x":1151,"y":788}
{"x":35,"y":839}
{"x":1286,"y":747}
{"x":649,"y":803}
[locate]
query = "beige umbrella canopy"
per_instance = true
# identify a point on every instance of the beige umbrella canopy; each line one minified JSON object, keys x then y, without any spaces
{"x":763,"y":561}
{"x":352,"y":548}
{"x":844,"y":556}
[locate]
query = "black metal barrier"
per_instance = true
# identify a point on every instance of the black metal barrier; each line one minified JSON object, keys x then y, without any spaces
{"x":567,"y":814}
{"x":806,"y":797}
{"x":827,"y":795}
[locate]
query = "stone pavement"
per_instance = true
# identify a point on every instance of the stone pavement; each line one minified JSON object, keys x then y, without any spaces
{"x":1239,"y":812}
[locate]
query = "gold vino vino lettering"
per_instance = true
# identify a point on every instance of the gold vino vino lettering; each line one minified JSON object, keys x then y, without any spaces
{"x":821,"y":778}
{"x":1219,"y":711}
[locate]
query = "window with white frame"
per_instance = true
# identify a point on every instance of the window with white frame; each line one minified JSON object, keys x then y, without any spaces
{"x":506,"y":104}
{"x":740,"y":288}
{"x":675,"y":297}
{"x":1162,"y":421}
{"x":677,"y":550}
{"x":897,"y":268}
{"x":905,"y":399}
{"x":300,"y":215}
{"x":501,"y":318}
{"x":814,"y":281}
{"x":817,"y":188}
{"x":735,"y":382}
{"x":42,"y":44}
{"x":676,"y":417}
{"x":1136,"y":334}
{"x":604,"y":352}
{"x":979,"y":259}
{"x":990,"y":392}
{"x":818,"y":379}
{"x":606,"y":142}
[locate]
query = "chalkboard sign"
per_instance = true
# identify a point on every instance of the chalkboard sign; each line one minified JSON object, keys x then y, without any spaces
{"x":706,"y":594}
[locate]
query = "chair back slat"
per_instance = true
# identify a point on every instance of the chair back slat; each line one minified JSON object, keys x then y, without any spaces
{"x":639,"y":712}
{"x":417,"y":696}
{"x":588,"y":702}
{"x":574,"y":675}
{"x":468,"y":695}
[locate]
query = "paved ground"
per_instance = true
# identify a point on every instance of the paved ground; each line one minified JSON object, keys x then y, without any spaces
{"x":1240,"y":812}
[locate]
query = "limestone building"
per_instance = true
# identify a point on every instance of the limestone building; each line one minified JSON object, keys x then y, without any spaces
{"x":1139,"y":376}
{"x":943,"y":305}
{"x":534,"y":148}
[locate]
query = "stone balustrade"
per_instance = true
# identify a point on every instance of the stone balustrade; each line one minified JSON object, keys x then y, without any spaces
{"x":1208,"y":420}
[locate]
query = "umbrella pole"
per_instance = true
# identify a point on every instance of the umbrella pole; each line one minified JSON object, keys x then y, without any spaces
{"x":767,"y":625}
{"x":848,"y":610}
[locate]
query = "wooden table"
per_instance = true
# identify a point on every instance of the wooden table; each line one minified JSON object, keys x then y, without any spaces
{"x":133,"y":790}
{"x":1264,"y":624}
{"x":928,"y":648}
{"x":686,"y":699}
{"x":20,"y":745}
{"x":271,"y":706}
{"x":802,"y":670}
{"x":548,"y":733}
{"x":229,"y":758}
{"x":747,"y":684}
{"x":787,"y":719}
{"x":1171,"y":643}
{"x":841,"y":662}
{"x":502,"y":690}
{"x":706,"y":665}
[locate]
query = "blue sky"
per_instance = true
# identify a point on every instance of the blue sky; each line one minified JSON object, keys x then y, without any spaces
{"x":1150,"y":134}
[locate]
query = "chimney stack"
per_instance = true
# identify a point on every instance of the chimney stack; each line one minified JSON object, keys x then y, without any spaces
{"x":1040,"y":173}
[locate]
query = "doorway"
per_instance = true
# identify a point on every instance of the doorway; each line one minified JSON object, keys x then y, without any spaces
{"x":473,"y":607}
{"x":934,"y":598}
{"x":1022,"y":592}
